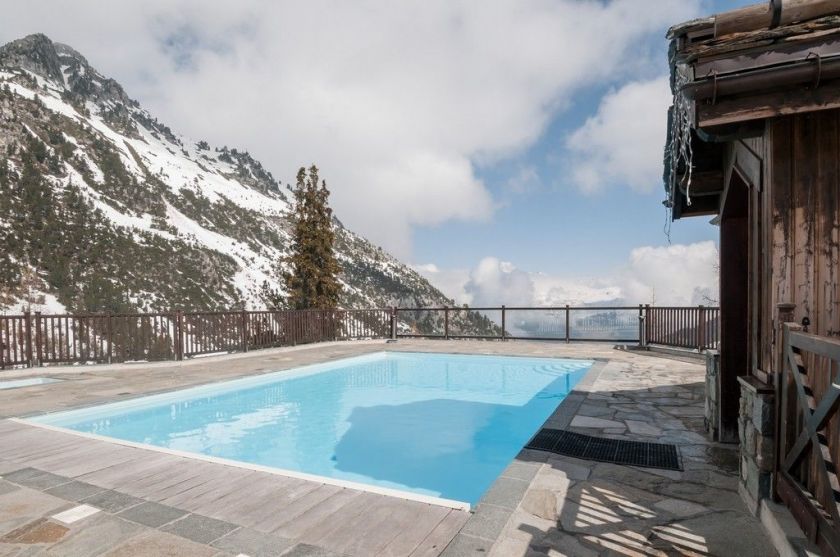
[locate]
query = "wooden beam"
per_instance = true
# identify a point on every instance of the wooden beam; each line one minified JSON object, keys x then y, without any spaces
{"x":709,"y":182}
{"x":748,"y":18}
{"x":760,"y":16}
{"x":768,"y":105}
{"x":700,"y":206}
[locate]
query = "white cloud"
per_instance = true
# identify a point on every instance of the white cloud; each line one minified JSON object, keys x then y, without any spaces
{"x":672,"y":275}
{"x":494,"y":282}
{"x":395,"y":101}
{"x":665,"y":275}
{"x":623,"y":143}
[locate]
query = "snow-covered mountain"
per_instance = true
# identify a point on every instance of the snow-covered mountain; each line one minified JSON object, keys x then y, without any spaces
{"x":102,"y":207}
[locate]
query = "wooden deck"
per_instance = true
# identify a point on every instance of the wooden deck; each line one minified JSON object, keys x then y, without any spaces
{"x":342,"y":520}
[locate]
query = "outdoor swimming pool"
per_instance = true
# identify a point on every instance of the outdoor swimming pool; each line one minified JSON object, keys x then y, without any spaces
{"x":436,"y":425}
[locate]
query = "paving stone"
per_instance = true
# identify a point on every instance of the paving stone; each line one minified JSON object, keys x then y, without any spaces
{"x":541,"y":503}
{"x":35,"y":479}
{"x":505,"y":547}
{"x":306,"y":550}
{"x":152,"y":514}
{"x":24,"y":505}
{"x":599,"y":423}
{"x":522,"y":470}
{"x":40,"y":531}
{"x":21,"y":474}
{"x":560,"y":544}
{"x":680,"y":508}
{"x":505,"y":492}
{"x":7,"y":487}
{"x":487,"y":522}
{"x":75,"y":514}
{"x":98,"y":535}
{"x":464,"y":545}
{"x":722,"y":533}
{"x":153,"y":543}
{"x":573,"y":468}
{"x":75,"y":490}
{"x":112,"y":501}
{"x":642,"y":428}
{"x":198,"y":528}
{"x":253,"y":543}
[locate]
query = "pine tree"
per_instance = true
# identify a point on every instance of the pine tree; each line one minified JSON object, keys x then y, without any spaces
{"x":312,"y":282}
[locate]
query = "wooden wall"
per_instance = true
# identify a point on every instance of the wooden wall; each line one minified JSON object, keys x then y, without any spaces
{"x":803,"y":173}
{"x":804,"y":177}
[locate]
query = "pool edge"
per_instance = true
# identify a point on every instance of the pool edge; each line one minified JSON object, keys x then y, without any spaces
{"x":389,"y":492}
{"x":561,"y":418}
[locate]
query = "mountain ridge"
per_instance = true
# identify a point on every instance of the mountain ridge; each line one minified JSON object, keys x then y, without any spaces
{"x":105,"y":208}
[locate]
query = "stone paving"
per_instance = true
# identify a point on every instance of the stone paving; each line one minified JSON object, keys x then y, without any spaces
{"x":542,"y":505}
{"x":581,"y":508}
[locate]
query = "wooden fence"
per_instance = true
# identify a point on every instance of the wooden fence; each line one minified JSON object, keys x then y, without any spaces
{"x":683,"y":327}
{"x":37,"y":339}
{"x":809,"y":429}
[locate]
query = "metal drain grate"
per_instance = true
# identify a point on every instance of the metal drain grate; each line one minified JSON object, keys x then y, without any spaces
{"x":616,"y":451}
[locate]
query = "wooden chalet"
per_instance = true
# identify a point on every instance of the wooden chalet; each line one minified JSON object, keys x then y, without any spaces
{"x":754,"y":145}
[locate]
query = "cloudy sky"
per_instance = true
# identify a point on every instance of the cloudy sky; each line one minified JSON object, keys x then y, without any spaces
{"x":510,"y":150}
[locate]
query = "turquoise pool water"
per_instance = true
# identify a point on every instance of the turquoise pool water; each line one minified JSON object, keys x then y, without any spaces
{"x":433,"y":424}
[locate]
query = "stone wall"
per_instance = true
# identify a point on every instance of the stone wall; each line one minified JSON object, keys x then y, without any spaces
{"x":712,"y":410}
{"x":756,"y":424}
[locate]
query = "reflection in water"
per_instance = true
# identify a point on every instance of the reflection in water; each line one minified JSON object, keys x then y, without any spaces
{"x":434,"y":424}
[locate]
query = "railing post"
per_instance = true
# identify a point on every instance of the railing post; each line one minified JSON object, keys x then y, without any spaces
{"x":38,"y":341}
{"x":28,"y":325}
{"x":110,"y":336}
{"x":503,"y":323}
{"x":446,"y":322}
{"x":649,"y":323}
{"x":243,"y":316}
{"x":701,"y":328}
{"x":393,"y":322}
{"x":179,"y":335}
{"x":568,"y":325}
{"x":642,"y":327}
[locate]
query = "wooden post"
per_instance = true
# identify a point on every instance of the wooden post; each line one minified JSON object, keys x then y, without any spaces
{"x":568,"y":326}
{"x":28,"y":325}
{"x":243,"y":316}
{"x":701,"y":328}
{"x":446,"y":322}
{"x":38,"y":342}
{"x":642,"y":327}
{"x":394,"y":323}
{"x":503,"y":323}
{"x":179,"y":335}
{"x":110,"y":336}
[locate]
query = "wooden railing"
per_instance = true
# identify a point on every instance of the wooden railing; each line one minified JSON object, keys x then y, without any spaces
{"x":809,"y":435}
{"x":683,"y":327}
{"x":38,"y":339}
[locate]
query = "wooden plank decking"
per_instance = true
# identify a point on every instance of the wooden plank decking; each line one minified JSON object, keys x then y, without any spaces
{"x":339,"y":519}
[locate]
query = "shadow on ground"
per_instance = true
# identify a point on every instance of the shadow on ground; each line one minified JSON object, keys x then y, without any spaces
{"x":582,"y":508}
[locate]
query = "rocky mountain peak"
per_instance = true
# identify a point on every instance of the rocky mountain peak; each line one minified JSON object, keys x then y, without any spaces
{"x":35,"y":53}
{"x":65,"y":68}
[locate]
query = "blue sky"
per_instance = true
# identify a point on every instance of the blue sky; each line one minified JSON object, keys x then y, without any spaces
{"x":508,"y":149}
{"x":554,"y":228}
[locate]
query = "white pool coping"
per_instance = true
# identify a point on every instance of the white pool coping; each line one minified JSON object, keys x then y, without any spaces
{"x":26,"y":382}
{"x":400,"y":494}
